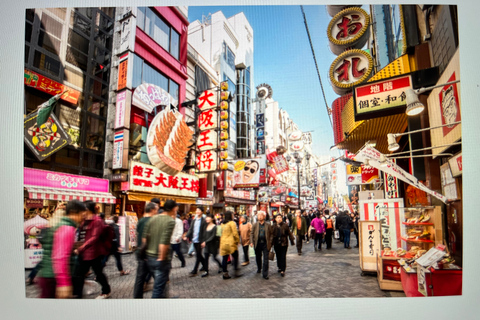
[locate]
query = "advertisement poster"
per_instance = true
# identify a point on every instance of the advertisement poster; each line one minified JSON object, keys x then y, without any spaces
{"x":370,"y":246}
{"x":47,"y":139}
{"x":246,"y":173}
{"x":122,"y":226}
{"x":354,"y":175}
{"x":422,"y":283}
{"x":369,"y":174}
{"x":132,"y":228}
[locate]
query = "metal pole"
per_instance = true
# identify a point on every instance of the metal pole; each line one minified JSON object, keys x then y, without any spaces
{"x":298,"y":186}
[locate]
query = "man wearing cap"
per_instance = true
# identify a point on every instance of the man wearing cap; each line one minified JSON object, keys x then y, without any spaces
{"x":157,"y":235}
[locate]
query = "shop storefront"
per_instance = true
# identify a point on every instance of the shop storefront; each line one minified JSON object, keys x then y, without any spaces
{"x":43,"y":190}
{"x":241,"y":202}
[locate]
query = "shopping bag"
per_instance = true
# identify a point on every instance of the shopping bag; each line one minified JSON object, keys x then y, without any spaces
{"x":337,"y":234}
{"x":271,"y":255}
{"x":251,"y":251}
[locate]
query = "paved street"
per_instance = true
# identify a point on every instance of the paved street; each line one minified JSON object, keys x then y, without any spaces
{"x":331,"y":273}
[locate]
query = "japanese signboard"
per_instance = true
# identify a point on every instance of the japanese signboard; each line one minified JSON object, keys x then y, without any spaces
{"x":295,"y":135}
{"x":246,"y":195}
{"x":208,"y":120}
{"x":37,"y":81}
{"x":307,"y":137}
{"x":207,"y":100}
{"x":449,"y":186}
{"x":306,"y":192}
{"x":122,"y":72}
{"x":378,"y":160}
{"x":279,"y":162}
{"x":456,"y":165}
{"x":168,"y":141}
{"x":348,"y":29}
{"x":148,"y":96}
{"x":120,"y":149}
{"x":147,"y":178}
{"x":354,"y":175}
{"x":122,"y":109}
{"x":370,"y":247}
{"x":45,"y":140}
{"x":127,"y":33}
{"x":390,"y":214}
{"x":422,"y":283}
{"x":350,"y":68}
{"x":391,"y":185}
{"x":207,"y":140}
{"x":381,"y":98}
{"x":369,"y":174}
{"x":247,"y":173}
{"x":207,"y":161}
{"x":444,"y":108}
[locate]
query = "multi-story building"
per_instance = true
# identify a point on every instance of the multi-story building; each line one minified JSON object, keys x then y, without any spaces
{"x":227,"y":45}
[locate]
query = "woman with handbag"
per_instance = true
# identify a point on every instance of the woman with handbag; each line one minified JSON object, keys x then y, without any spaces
{"x":229,"y":244}
{"x":281,"y":233}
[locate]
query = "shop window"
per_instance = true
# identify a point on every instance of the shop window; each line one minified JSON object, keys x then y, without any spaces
{"x":68,"y":157}
{"x":97,"y":88}
{"x":97,"y":106}
{"x":51,"y":26}
{"x":103,"y":21}
{"x":229,"y":57}
{"x":109,"y":11}
{"x":161,"y":33}
{"x":175,"y":44}
{"x":92,"y":161}
{"x":78,"y":42}
{"x":59,"y":12}
{"x":30,"y":15}
{"x":173,"y":89}
{"x":87,"y":12}
{"x":95,"y":134}
{"x":74,"y":77}
{"x":141,"y":17}
{"x":150,"y":75}
{"x":79,"y":23}
{"x":28,"y":31}
{"x":48,"y":42}
{"x":27,"y":52}
{"x":77,"y":58}
{"x":46,"y":63}
{"x":34,"y":98}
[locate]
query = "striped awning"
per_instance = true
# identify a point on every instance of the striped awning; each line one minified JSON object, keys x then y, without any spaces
{"x":46,"y":193}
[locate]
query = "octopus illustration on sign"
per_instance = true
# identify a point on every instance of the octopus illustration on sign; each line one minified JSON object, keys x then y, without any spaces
{"x":148,"y":96}
{"x":168,"y":141}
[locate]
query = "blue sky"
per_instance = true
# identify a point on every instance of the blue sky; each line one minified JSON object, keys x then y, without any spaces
{"x":283,"y":59}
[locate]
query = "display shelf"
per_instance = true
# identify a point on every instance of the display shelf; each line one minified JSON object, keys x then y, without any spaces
{"x":418,"y":224}
{"x":414,"y":240}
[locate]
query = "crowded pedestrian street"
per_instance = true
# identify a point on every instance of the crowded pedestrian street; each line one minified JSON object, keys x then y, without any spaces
{"x":331,"y":273}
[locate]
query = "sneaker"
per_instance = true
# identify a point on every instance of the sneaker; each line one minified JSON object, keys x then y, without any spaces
{"x":266,"y":278}
{"x":103,"y":296}
{"x":282,"y":273}
{"x":205,"y":275}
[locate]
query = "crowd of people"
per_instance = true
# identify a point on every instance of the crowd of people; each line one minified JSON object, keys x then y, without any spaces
{"x":80,"y":240}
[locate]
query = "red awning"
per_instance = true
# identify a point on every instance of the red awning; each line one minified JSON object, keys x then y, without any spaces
{"x":35,"y":192}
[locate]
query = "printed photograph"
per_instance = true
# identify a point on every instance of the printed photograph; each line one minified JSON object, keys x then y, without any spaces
{"x":204,"y":152}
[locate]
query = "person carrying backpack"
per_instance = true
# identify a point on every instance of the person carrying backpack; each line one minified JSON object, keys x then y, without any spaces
{"x":329,"y":229}
{"x":112,"y":245}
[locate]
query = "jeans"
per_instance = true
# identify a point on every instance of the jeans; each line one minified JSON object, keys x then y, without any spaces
{"x":160,"y":271}
{"x":118,"y":258}
{"x":34,"y":272}
{"x":225,"y":260}
{"x":207,"y":256}
{"x":245,"y":253}
{"x":198,"y":257}
{"x":299,"y":241}
{"x":346,"y":238}
{"x":328,"y":238}
{"x":318,"y":239}
{"x":81,"y":271}
{"x":281,"y":252}
{"x":176,"y":247}
{"x":260,"y":250}
{"x":140,"y":279}
{"x":191,"y":249}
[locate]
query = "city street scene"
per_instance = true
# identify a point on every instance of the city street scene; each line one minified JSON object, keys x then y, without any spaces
{"x":196,"y":152}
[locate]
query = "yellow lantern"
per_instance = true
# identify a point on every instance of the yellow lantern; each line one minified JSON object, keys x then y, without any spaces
{"x":224,"y":105}
{"x":224,"y":115}
{"x":224,"y":145}
{"x":224,"y":125}
{"x":224,"y":85}
{"x":224,"y":95}
{"x":223,"y":155}
{"x":223,"y":165}
{"x":224,"y":135}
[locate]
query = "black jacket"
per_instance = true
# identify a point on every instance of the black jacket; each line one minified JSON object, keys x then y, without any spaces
{"x":343,"y":222}
{"x":201,"y":235}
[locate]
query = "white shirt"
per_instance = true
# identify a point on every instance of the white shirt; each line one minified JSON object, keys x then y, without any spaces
{"x":177,"y":231}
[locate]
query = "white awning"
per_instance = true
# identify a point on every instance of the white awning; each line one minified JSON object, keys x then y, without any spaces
{"x":46,"y":193}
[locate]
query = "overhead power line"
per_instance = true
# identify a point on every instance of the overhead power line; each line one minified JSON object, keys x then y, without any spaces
{"x":316,"y":65}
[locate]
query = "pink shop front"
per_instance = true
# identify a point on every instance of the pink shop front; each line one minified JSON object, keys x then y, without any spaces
{"x":42,"y":192}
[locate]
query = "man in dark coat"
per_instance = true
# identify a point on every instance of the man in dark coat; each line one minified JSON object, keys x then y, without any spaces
{"x":196,"y":234}
{"x":299,"y":229}
{"x":261,"y":240}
